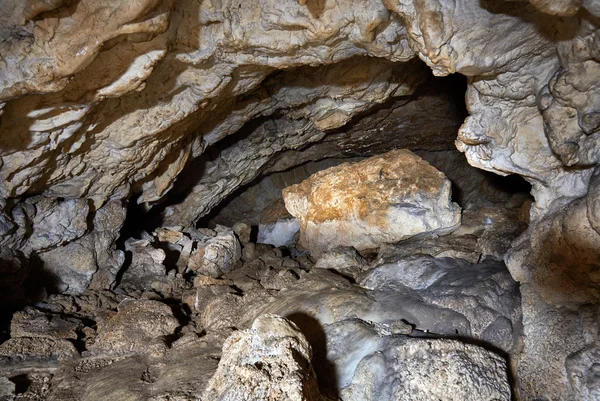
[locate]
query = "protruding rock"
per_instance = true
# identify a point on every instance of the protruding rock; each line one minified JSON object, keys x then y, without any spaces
{"x":138,"y":326}
{"x":343,"y":259}
{"x":37,"y":348}
{"x":33,"y":323}
{"x":217,"y":255}
{"x":383,"y":199}
{"x":411,"y":369}
{"x":270,"y":361}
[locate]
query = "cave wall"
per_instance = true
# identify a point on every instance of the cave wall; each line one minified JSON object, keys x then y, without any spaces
{"x":103,"y":100}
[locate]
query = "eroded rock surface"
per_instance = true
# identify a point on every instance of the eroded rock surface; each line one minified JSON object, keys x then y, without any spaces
{"x":269,"y":361}
{"x":100,"y":101}
{"x":160,"y":337}
{"x":409,"y":369}
{"x":380,"y":200}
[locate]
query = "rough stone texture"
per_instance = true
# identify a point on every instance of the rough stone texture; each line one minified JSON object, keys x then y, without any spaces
{"x":146,"y":270}
{"x":556,"y":261}
{"x":410,"y":369}
{"x":264,"y":140}
{"x":73,"y":245}
{"x":84,"y":94}
{"x":380,"y":200}
{"x":217,"y":255}
{"x":138,"y":325}
{"x":505,"y":132}
{"x":270,"y":361}
{"x":99,"y":101}
{"x":134,"y":348}
{"x":345,"y":260}
{"x":33,"y":323}
{"x":36,"y":349}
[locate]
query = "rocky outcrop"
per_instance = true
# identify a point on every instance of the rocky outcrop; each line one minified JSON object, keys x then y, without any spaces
{"x":556,"y":261}
{"x":269,"y":361}
{"x":378,"y":367}
{"x":159,"y":335}
{"x":122,"y":333}
{"x":100,"y":101}
{"x":380,"y":200}
{"x":217,"y":255}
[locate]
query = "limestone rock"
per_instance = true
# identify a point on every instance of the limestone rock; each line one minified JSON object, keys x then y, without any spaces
{"x":37,"y":348}
{"x":56,"y":223}
{"x":381,"y":200}
{"x":243,"y":232}
{"x":411,"y":369}
{"x":556,"y":261}
{"x":33,"y":323}
{"x":442,"y":296}
{"x":473,"y":290}
{"x":147,"y":270}
{"x":138,"y":326}
{"x":270,"y":361}
{"x":7,"y":388}
{"x":75,"y":244}
{"x":216,"y":256}
{"x":342,"y":259}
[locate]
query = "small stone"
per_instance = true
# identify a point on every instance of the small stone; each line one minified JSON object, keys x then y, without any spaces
{"x":203,"y":281}
{"x":401,"y":327}
{"x":243,"y":232}
{"x":169,"y":236}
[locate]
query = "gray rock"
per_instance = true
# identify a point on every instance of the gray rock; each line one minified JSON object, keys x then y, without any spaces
{"x":57,"y":222}
{"x":409,"y":369}
{"x":139,"y":326}
{"x":146,"y":270}
{"x":269,"y":361}
{"x":7,"y":388}
{"x":217,"y":255}
{"x":345,"y":260}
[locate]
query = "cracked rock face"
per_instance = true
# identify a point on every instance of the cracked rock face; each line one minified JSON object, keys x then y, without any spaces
{"x":383,"y":199}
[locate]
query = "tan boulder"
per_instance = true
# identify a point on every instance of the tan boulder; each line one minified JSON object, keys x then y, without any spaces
{"x":383,"y":199}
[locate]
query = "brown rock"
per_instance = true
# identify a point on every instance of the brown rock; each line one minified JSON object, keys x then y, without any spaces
{"x":139,"y":325}
{"x":383,"y":199}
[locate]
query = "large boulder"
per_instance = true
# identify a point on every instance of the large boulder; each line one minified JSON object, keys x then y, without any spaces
{"x":374,"y":366}
{"x":383,"y":199}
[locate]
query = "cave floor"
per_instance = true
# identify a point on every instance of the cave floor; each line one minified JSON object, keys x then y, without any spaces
{"x":161,"y":338}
